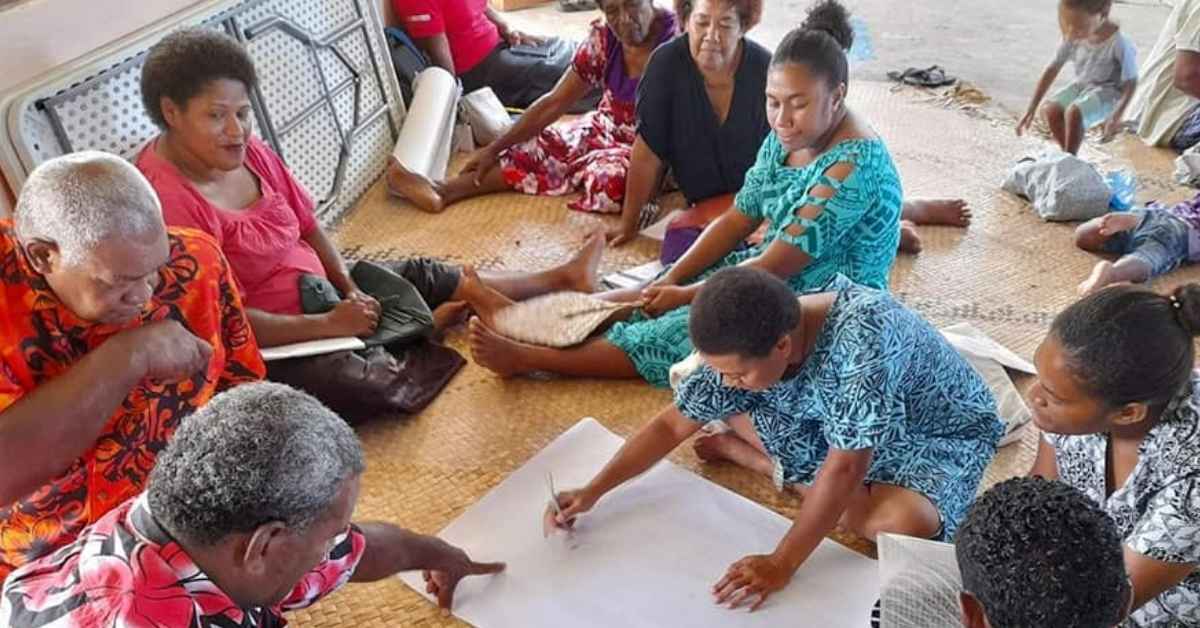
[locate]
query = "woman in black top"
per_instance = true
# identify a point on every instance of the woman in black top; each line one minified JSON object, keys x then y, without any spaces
{"x":701,"y":110}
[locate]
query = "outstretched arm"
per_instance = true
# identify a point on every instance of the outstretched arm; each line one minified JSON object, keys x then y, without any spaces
{"x":652,"y":443}
{"x":755,"y":578}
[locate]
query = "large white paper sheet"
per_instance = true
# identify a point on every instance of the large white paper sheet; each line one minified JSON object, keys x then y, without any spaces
{"x":646,"y":556}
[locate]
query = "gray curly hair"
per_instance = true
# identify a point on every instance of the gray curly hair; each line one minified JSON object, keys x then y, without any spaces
{"x":255,"y":454}
{"x":79,"y":200}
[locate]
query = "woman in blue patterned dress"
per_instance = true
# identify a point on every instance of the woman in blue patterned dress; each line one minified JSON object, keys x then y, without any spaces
{"x":1119,"y":403}
{"x":825,"y":183}
{"x":844,"y":395}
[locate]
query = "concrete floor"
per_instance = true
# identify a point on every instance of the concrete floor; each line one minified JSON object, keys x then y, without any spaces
{"x":999,"y":46}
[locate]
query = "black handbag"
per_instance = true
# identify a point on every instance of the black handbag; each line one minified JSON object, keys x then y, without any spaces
{"x":401,"y":371}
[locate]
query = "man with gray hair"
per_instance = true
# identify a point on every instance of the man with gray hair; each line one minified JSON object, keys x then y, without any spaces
{"x":247,"y":515}
{"x":114,"y":328}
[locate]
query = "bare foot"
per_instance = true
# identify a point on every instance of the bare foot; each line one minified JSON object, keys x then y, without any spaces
{"x":495,"y":352}
{"x":417,"y":188}
{"x":483,"y":300}
{"x":450,"y":314}
{"x":938,"y":211}
{"x":910,"y":240}
{"x":580,"y":274}
{"x":1102,"y":275}
{"x":1116,"y":222}
{"x":730,"y":447}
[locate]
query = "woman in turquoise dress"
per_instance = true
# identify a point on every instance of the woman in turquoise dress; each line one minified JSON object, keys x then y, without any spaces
{"x":823,"y":181}
{"x":842,"y":395}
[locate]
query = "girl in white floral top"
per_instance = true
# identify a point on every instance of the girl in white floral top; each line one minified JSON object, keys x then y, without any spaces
{"x":1118,"y":400}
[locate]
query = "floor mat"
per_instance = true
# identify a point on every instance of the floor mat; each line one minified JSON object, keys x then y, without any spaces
{"x":1007,"y":275}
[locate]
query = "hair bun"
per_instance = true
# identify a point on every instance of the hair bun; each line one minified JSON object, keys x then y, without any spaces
{"x":831,"y":18}
{"x":1186,"y":301}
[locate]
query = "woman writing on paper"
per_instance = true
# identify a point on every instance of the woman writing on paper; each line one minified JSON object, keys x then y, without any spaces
{"x":844,"y":396}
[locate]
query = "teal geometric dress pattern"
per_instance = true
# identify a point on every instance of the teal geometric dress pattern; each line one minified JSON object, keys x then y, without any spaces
{"x":879,"y":377}
{"x":855,"y":234}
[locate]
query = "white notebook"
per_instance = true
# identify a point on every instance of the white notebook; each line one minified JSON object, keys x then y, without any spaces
{"x":311,"y":348}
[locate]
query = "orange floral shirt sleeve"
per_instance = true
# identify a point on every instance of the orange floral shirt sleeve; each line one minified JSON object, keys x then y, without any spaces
{"x":244,"y":361}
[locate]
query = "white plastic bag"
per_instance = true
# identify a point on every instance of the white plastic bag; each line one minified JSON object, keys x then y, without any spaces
{"x":486,"y":115}
{"x":1062,"y":187}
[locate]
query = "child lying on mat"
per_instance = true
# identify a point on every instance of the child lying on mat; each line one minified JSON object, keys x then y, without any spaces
{"x":845,"y":396}
{"x":1151,"y":241}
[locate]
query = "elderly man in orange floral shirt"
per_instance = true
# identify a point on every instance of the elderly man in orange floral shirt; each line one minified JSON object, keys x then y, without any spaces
{"x":112,"y":330}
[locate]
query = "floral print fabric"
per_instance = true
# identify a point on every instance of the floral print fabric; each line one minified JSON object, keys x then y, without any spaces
{"x":41,"y":339}
{"x":127,"y":571}
{"x":1157,"y":511}
{"x":589,"y":154}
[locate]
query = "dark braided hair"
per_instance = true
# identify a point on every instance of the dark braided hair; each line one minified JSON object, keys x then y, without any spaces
{"x":185,"y":62}
{"x":820,"y":43}
{"x":1127,"y":344}
{"x":1038,"y":552}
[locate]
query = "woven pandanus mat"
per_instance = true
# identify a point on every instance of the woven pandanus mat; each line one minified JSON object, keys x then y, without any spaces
{"x":1007,"y":275}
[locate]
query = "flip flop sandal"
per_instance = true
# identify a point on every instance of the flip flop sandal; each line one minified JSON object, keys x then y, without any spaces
{"x":932,"y":76}
{"x":572,"y":6}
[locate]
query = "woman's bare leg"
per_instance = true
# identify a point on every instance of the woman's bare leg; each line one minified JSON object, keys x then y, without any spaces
{"x":576,"y":275}
{"x":741,"y":446}
{"x":435,"y":196}
{"x":881,"y":507}
{"x":508,"y":358}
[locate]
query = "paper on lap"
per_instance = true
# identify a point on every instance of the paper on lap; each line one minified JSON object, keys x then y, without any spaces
{"x":633,"y":277}
{"x":311,"y":348}
{"x":647,"y":555}
{"x":427,"y":134}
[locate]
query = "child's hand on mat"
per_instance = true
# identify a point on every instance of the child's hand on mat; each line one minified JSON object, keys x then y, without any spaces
{"x":662,"y":299}
{"x":481,"y":163}
{"x":351,"y":318}
{"x":752,"y":579}
{"x":571,"y":504}
{"x":1025,"y":122}
{"x":448,"y":565}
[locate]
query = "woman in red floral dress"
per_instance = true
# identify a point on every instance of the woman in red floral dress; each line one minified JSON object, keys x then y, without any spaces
{"x":540,"y":154}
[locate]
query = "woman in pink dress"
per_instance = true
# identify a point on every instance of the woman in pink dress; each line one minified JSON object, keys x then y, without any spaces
{"x":212,"y":174}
